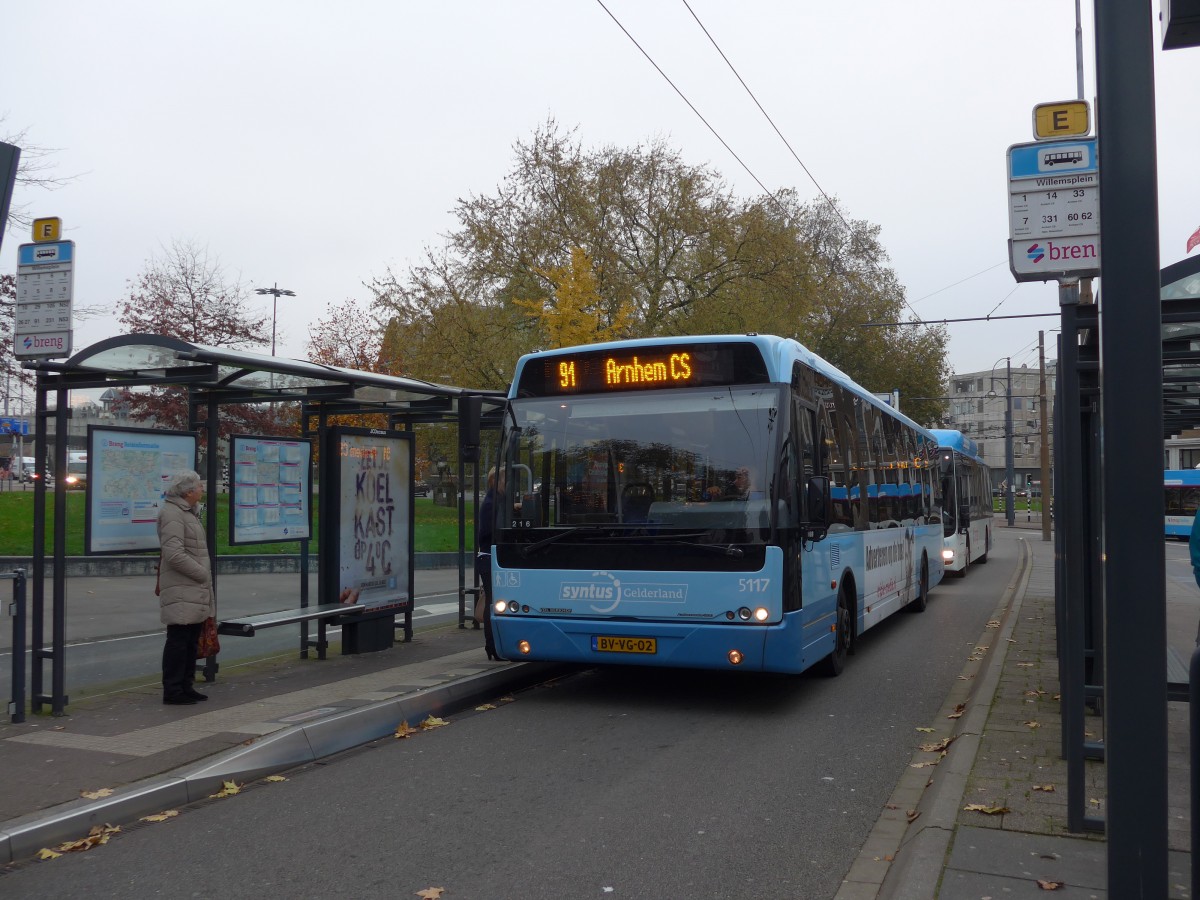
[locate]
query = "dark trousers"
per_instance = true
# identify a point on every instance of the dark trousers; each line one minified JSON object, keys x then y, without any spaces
{"x":483,"y":572}
{"x":179,"y":659}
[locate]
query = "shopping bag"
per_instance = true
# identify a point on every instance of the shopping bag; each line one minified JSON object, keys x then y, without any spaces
{"x":209,"y":644}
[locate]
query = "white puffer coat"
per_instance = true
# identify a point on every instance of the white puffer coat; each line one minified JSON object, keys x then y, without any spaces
{"x":184,"y":579}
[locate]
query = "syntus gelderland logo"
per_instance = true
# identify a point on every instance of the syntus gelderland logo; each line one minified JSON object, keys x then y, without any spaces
{"x":1035,"y":253}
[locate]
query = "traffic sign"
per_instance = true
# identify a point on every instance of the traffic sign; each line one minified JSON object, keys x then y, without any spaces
{"x":45,"y":295}
{"x":1054,"y":210}
{"x":1064,"y":119}
{"x":49,"y":229}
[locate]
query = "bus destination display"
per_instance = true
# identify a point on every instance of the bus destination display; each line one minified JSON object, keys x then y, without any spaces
{"x":644,"y":368}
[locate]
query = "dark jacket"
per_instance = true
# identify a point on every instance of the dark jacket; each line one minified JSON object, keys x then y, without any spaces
{"x":485,"y":526}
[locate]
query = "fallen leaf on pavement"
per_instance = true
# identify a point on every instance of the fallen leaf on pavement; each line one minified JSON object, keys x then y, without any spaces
{"x":1032,"y":724}
{"x":923,"y":765}
{"x":987,"y":810}
{"x":98,"y":834}
{"x":1050,"y":885}
{"x":47,"y":853}
{"x":431,"y":893}
{"x":912,"y":815}
{"x":96,"y":795}
{"x":939,"y":746}
{"x":403,"y":730}
{"x":228,"y":790}
{"x":433,"y":722}
{"x":160,"y":817}
{"x":274,"y":778}
{"x":994,"y":623}
{"x":1025,"y":665}
{"x":927,"y":730}
{"x":1048,"y":788}
{"x":485,"y":706}
{"x":958,"y":711}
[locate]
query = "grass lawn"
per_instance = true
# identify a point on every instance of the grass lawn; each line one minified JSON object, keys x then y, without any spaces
{"x":435,"y":527}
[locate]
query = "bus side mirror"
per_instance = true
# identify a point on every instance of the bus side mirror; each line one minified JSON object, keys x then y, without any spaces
{"x":817,"y":525}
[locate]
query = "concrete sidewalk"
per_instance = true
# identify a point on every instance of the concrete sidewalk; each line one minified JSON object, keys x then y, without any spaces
{"x":259,"y":719}
{"x":942,"y":835}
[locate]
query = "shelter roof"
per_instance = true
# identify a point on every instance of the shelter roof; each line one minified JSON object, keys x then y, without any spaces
{"x":246,"y":377}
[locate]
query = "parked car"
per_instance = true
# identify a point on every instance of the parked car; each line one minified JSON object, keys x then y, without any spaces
{"x":421,"y":489}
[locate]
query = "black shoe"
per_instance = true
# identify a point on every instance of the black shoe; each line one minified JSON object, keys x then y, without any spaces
{"x":195,"y":695}
{"x":179,"y":700}
{"x":492,"y":654}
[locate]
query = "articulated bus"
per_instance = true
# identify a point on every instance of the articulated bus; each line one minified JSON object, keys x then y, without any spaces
{"x":966,"y":491}
{"x":1182,"y":489}
{"x":724,"y":502}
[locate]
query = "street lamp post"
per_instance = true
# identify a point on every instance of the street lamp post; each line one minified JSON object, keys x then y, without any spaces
{"x":1010,"y":513}
{"x":276,"y":292}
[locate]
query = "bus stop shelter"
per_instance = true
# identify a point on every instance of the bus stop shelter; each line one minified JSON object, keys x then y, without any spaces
{"x":211,"y":378}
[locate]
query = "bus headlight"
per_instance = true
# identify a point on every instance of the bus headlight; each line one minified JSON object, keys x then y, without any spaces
{"x":761,"y":614}
{"x":524,"y":647}
{"x":499,"y":606}
{"x":735,"y":657}
{"x":948,"y":555}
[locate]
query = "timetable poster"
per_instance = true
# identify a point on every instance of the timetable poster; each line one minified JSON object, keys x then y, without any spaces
{"x":270,"y":489}
{"x":128,"y":470}
{"x":374,"y":539}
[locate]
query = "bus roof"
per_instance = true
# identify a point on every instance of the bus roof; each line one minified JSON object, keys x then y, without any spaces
{"x":949,"y":439}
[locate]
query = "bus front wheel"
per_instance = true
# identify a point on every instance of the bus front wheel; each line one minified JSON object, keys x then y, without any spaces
{"x":835,"y":662}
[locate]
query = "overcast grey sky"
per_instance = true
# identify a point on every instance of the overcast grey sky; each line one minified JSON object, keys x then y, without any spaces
{"x":314,"y":144}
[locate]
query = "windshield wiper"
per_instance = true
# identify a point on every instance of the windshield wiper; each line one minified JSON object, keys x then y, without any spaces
{"x":673,"y":539}
{"x":723,"y":550}
{"x":529,"y":549}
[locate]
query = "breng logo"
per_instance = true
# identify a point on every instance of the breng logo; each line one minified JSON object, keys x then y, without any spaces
{"x":1036,"y":253}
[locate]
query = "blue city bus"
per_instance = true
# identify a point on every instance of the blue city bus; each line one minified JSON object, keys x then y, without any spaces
{"x":723,"y":502}
{"x":966,"y":490}
{"x":1182,"y":489}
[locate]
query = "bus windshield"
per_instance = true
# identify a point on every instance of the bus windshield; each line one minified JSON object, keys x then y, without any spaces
{"x":689,"y":460}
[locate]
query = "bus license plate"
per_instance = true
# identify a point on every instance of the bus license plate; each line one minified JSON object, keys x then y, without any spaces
{"x":610,"y":644}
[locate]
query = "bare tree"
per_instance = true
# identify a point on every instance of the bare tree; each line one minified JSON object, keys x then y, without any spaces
{"x":184,"y":292}
{"x":35,"y":170}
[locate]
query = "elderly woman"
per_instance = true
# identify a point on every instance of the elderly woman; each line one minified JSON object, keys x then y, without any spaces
{"x":185,"y":585}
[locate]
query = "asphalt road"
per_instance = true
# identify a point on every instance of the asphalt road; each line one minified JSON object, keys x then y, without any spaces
{"x":634,"y":783}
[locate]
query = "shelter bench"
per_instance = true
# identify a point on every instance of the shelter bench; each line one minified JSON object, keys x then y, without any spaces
{"x":247,"y":626}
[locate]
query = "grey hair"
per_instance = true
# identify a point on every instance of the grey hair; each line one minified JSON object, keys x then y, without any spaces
{"x":182,"y":483}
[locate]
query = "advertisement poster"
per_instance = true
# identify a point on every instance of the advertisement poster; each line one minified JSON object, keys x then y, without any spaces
{"x":127,"y":471}
{"x":374,"y":472}
{"x":270,"y":489}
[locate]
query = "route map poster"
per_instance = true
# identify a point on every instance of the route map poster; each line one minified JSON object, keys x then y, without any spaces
{"x":373,"y":530}
{"x":128,"y":470}
{"x":270,"y":489}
